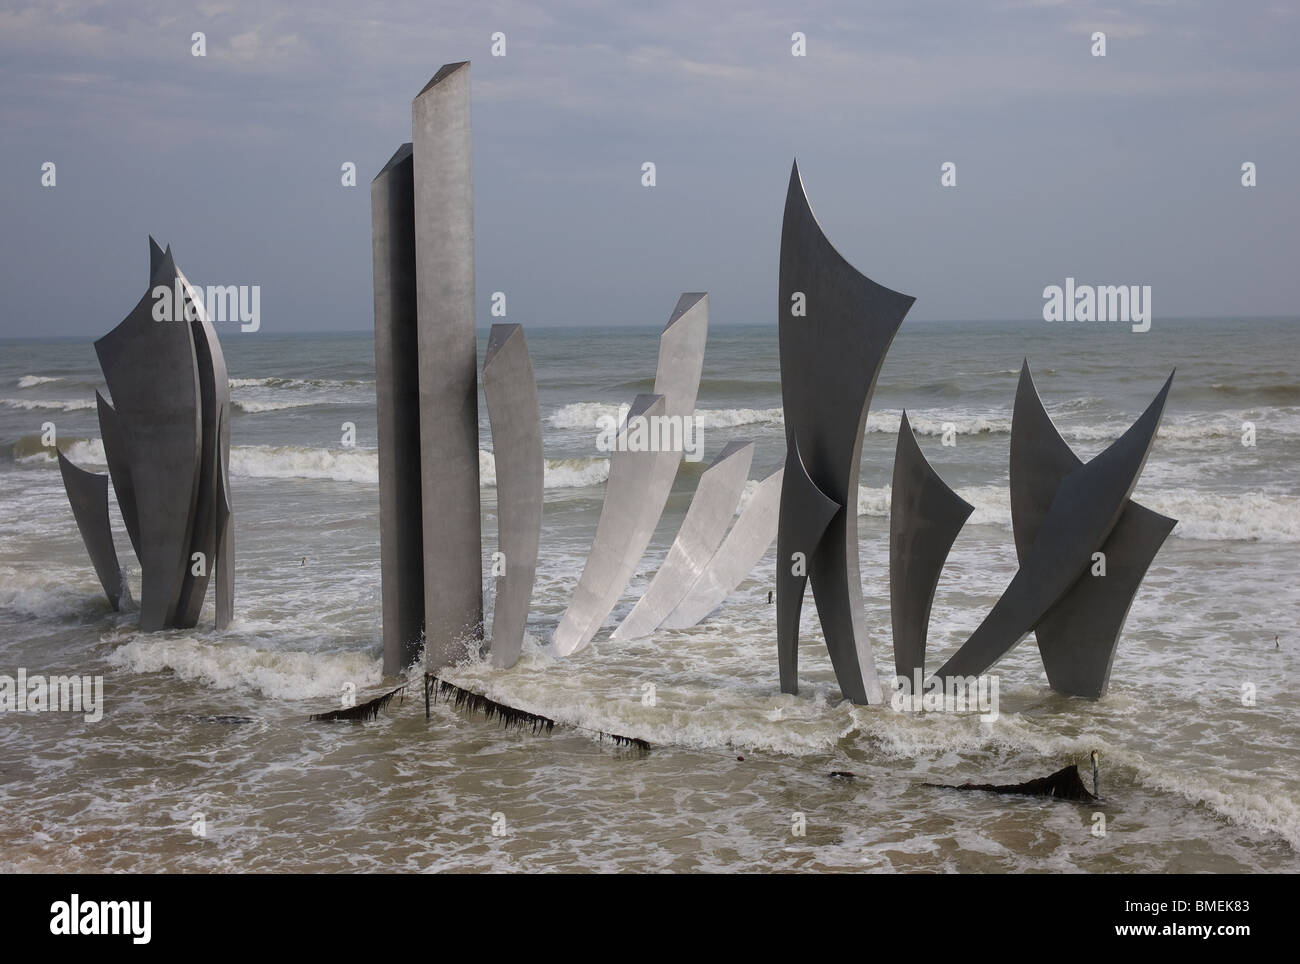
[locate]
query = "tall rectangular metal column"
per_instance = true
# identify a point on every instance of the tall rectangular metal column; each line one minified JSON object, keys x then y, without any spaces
{"x":444,"y":261}
{"x":397,"y":391}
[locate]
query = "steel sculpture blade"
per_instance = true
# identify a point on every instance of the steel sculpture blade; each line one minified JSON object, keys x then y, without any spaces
{"x":156,"y":255}
{"x":836,"y":325}
{"x":802,"y":521}
{"x":119,"y":470}
{"x":638,"y":487}
{"x":397,"y":395}
{"x":511,"y":393}
{"x":448,"y":360}
{"x":711,"y":510}
{"x":88,"y":495}
{"x":152,"y":375}
{"x":1078,"y":636}
{"x":746,"y":544}
{"x":924,"y":519}
{"x":214,"y":407}
{"x":1084,"y":511}
{"x":225,"y":564}
{"x":627,"y":520}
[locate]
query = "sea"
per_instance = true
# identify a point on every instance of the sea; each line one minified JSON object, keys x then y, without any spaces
{"x":205,"y":758}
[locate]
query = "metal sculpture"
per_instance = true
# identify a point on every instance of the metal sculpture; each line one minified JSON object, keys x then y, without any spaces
{"x":511,"y":393}
{"x":1087,"y":504}
{"x":1078,"y":636}
{"x":397,"y":397}
{"x":924,"y":519}
{"x":443,"y":200}
{"x":167,"y":443}
{"x":639,"y":482}
{"x":747,"y":542}
{"x":88,"y":494}
{"x":836,"y":325}
{"x":711,"y":510}
{"x":153,"y":378}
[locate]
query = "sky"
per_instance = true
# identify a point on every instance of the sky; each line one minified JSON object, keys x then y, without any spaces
{"x":1122,"y":169}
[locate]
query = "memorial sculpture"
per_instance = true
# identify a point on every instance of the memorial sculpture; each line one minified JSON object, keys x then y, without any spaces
{"x":835,"y":327}
{"x":166,"y":437}
{"x":639,"y":481}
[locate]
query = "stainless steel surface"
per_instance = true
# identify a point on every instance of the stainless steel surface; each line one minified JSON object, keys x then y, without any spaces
{"x":511,"y":393}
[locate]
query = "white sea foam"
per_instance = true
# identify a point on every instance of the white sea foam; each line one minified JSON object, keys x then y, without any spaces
{"x":298,"y":383}
{"x":50,"y":404}
{"x":362,"y":466}
{"x":277,"y":674}
{"x":254,"y":407}
{"x":81,"y":452}
{"x":934,"y":423}
{"x":299,"y":462}
{"x":31,"y":381}
{"x":1247,"y":516}
{"x":584,"y":415}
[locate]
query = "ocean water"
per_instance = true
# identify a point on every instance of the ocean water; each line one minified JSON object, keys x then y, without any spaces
{"x":1198,"y":735}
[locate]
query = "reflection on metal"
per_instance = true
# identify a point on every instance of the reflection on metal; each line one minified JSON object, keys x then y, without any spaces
{"x":924,"y":519}
{"x":511,"y":393}
{"x":639,"y":482}
{"x":835,"y":327}
{"x":88,"y":495}
{"x":167,"y":443}
{"x":1083,"y":513}
{"x":802,"y":520}
{"x":712,"y":508}
{"x":1078,"y":636}
{"x":448,"y":366}
{"x":150,"y":370}
{"x":397,"y":391}
{"x":119,"y":469}
{"x":747,"y":542}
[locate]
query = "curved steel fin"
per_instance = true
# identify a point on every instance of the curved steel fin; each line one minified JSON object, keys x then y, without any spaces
{"x":748,"y":541}
{"x":225,"y":563}
{"x":214,"y":405}
{"x":802,"y":520}
{"x":511,"y":393}
{"x":119,"y":470}
{"x":925,"y":516}
{"x":712,"y":507}
{"x":836,"y":326}
{"x":88,"y":495}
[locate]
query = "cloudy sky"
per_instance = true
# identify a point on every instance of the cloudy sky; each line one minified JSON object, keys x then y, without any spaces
{"x":1122,"y":169}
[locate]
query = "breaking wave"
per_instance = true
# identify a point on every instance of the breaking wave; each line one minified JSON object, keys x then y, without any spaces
{"x":1242,"y":517}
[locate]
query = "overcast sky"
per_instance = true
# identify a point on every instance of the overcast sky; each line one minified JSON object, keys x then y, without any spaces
{"x":1122,"y":169}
